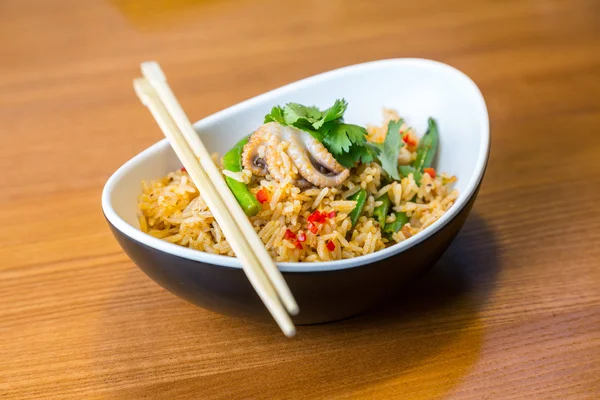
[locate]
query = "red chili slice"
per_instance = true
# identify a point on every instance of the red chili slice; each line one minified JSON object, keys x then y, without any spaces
{"x":408,"y":139}
{"x":262,"y":196}
{"x":312,"y":227}
{"x":330,"y":246}
{"x":429,"y":171}
{"x":314,"y":217}
{"x":332,"y":214}
{"x":289,"y":235}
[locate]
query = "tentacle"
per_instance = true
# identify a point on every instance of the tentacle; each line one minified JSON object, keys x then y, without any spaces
{"x":320,"y":154}
{"x":273,"y":156}
{"x":254,"y":153}
{"x":301,"y":158}
{"x":265,"y":152}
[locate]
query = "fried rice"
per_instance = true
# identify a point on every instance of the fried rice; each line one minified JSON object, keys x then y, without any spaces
{"x":172,"y":209}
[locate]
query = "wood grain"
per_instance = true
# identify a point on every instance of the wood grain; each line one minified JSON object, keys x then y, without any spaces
{"x":511,"y":311}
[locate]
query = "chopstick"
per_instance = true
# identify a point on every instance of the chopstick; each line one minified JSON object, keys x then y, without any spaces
{"x":152,"y":71}
{"x":243,"y":250}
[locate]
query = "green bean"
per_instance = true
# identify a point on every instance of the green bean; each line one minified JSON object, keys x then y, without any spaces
{"x":361,"y":198}
{"x":381,"y":211}
{"x":405,"y":170}
{"x":427,"y":147}
{"x":399,"y":222}
{"x":232,"y":161}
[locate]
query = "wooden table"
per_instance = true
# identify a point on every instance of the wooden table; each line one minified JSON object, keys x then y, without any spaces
{"x":511,"y":311}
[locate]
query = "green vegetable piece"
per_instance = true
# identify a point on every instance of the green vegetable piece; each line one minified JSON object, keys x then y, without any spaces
{"x":298,"y":115}
{"x":232,"y":161}
{"x":399,"y":222}
{"x":406,"y":170}
{"x":380,"y":212}
{"x":276,"y":115}
{"x":347,"y":143}
{"x":389,"y":149}
{"x":427,"y":146}
{"x":341,"y":137}
{"x":333,"y":113}
{"x":361,"y":198}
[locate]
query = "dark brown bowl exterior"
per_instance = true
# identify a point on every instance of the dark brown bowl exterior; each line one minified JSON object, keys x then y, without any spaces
{"x":323,"y":296}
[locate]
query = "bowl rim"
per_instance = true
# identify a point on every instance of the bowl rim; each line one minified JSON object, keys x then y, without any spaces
{"x":321,"y":266}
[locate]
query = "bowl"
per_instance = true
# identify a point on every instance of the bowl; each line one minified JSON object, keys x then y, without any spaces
{"x":325,"y":291}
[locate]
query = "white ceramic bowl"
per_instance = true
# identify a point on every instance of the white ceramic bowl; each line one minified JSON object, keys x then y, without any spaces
{"x":416,"y":88}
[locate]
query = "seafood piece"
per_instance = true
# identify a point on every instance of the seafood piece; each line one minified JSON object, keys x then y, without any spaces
{"x":285,"y":151}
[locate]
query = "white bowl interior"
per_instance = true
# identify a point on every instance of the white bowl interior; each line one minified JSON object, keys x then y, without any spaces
{"x":417,"y":89}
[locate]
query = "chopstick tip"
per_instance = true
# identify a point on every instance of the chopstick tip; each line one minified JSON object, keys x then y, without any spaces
{"x":290,"y":332}
{"x":293,"y":310}
{"x":152,"y":71}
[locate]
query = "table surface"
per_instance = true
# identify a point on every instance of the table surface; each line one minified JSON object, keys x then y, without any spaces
{"x":511,"y":311}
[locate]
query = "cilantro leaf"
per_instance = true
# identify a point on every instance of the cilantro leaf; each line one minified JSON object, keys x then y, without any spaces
{"x":356,"y":134}
{"x":389,"y":149}
{"x":371,"y":154}
{"x":339,"y":138}
{"x":332,"y":113}
{"x":295,"y":113}
{"x":356,"y":154}
{"x":347,"y":142}
{"x":346,"y":160}
{"x":276,"y":115}
{"x":365,"y":154}
{"x":303,"y":116}
{"x":337,"y":144}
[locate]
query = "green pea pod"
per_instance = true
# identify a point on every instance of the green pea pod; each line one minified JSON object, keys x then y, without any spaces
{"x":361,"y":198}
{"x":399,"y":222}
{"x":232,"y":161}
{"x":380,"y":212}
{"x":405,"y":170}
{"x":427,"y":147}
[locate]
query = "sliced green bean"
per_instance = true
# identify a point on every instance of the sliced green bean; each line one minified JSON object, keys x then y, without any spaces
{"x":399,"y":222}
{"x":381,"y":211}
{"x":361,"y":198}
{"x":406,"y":170}
{"x":232,"y":161}
{"x":427,"y":147}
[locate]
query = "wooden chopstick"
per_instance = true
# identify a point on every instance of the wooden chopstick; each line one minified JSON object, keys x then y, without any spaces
{"x":218,"y":207}
{"x":152,"y":71}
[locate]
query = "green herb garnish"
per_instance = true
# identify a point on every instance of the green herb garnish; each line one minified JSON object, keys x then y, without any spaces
{"x":390,"y":148}
{"x":406,"y":170}
{"x":346,"y":142}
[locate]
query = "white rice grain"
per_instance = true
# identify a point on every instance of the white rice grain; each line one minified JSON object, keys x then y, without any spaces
{"x":320,"y":197}
{"x":383,"y":191}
